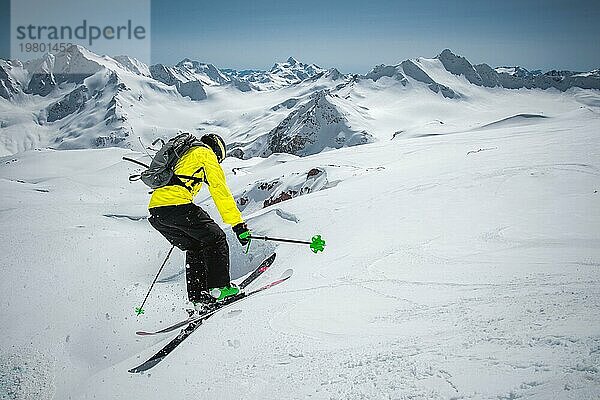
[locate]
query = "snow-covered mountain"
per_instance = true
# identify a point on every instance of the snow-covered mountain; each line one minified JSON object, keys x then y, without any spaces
{"x":293,"y":70}
{"x":133,"y":65}
{"x":282,"y":74}
{"x":515,"y":77}
{"x":211,"y":75}
{"x":517,"y":71}
{"x":313,"y":127}
{"x":77,"y":99}
{"x":9,"y":86}
{"x":74,"y":96}
{"x":183,"y":80}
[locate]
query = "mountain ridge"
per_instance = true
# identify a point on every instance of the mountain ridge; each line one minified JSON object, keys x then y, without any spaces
{"x":79,"y":99}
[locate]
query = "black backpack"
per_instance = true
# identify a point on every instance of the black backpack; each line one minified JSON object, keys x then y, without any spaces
{"x":160,"y":172}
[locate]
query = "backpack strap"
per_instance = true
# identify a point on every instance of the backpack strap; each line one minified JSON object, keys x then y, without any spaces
{"x":178,"y":179}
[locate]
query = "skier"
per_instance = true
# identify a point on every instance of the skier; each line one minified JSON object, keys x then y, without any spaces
{"x":189,"y":227}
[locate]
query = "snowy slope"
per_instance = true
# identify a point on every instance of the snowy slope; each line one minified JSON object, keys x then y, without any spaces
{"x":462,"y":256}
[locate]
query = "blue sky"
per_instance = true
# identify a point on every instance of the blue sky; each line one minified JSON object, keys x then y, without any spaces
{"x":356,"y":35}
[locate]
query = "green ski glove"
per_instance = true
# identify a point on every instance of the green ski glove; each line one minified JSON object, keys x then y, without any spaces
{"x":242,"y":233}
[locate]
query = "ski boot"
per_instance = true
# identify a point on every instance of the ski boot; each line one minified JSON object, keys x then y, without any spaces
{"x":222,"y":293}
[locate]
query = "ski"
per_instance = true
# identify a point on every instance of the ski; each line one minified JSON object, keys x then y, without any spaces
{"x":258,"y":271}
{"x":265,"y":265}
{"x":198,"y":320}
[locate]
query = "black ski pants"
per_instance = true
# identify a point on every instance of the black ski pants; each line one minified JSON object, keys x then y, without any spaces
{"x":191,"y":229}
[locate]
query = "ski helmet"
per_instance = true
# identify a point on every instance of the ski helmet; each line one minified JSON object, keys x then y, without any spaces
{"x":217,"y":144}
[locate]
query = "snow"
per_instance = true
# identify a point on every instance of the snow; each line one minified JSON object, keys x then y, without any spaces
{"x":206,"y":73}
{"x":507,"y":70}
{"x":593,"y":73}
{"x":462,"y":257}
{"x":133,"y":65}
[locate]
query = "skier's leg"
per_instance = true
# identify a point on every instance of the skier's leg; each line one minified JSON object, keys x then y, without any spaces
{"x":195,"y":274}
{"x":205,"y":241}
{"x":216,"y":259}
{"x":213,"y":248}
{"x":166,"y":220}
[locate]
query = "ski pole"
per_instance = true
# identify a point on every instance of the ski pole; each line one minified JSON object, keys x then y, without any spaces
{"x":317,"y":244}
{"x":140,"y":310}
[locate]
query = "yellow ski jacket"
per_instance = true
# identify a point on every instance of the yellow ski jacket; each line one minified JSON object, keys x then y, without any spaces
{"x":199,"y":162}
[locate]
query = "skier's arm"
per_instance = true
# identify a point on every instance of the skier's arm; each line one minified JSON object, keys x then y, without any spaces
{"x":220,"y":192}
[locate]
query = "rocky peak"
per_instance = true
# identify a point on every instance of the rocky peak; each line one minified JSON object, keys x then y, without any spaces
{"x":458,"y":65}
{"x":313,"y":127}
